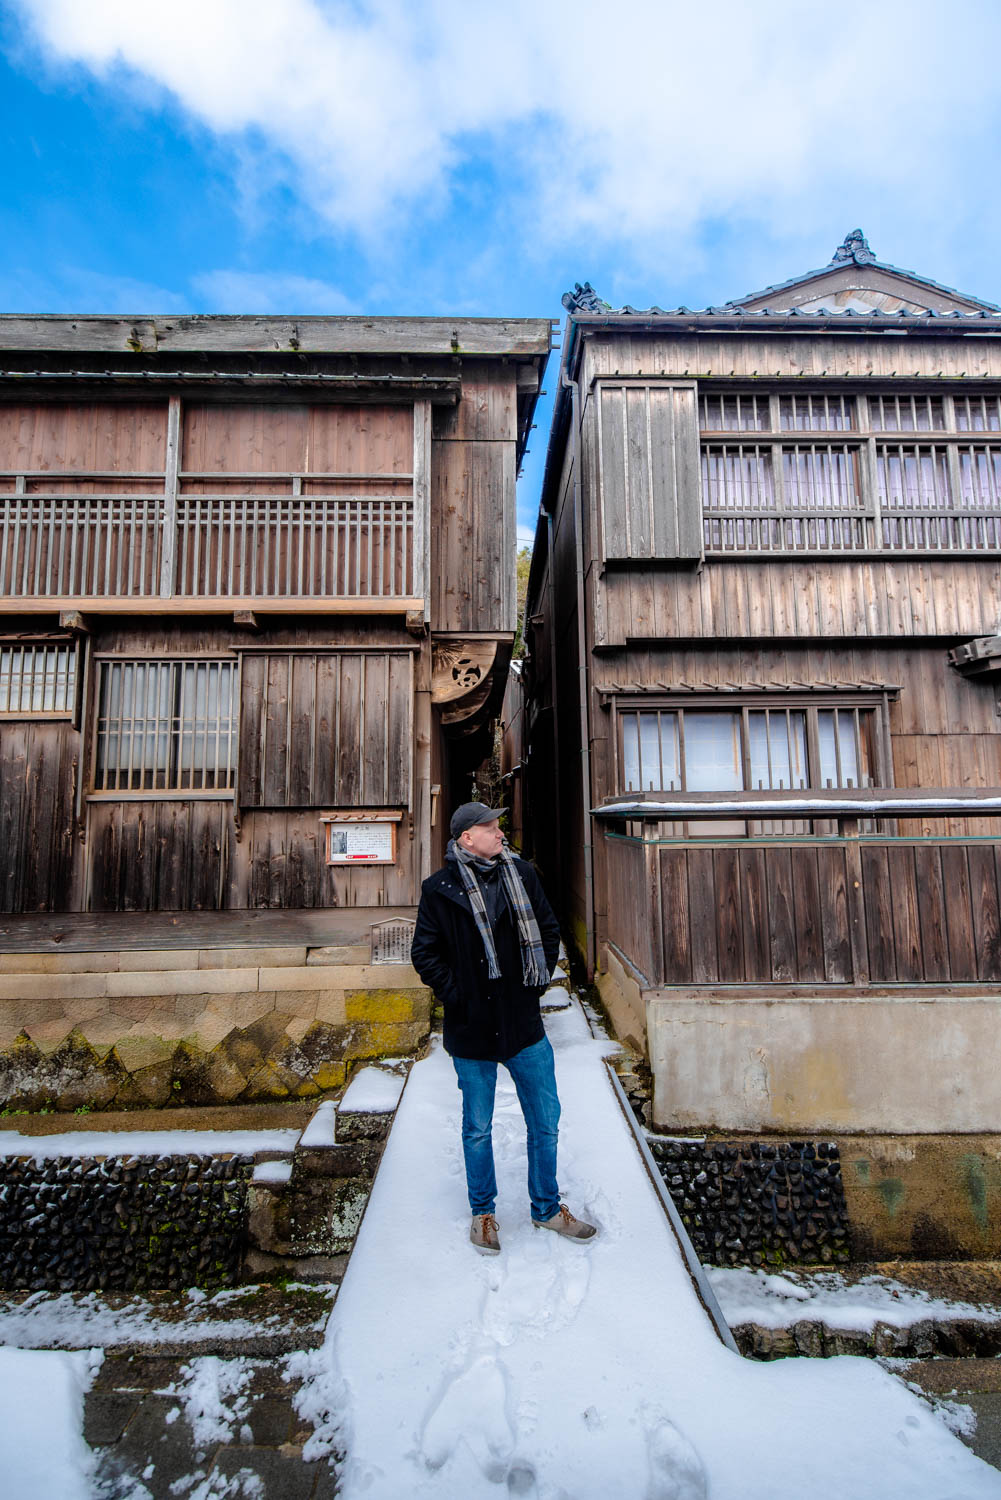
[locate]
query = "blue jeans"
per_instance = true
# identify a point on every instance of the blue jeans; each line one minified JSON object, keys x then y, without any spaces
{"x":534,"y":1074}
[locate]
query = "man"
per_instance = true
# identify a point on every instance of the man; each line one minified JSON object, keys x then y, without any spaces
{"x":485,"y":941}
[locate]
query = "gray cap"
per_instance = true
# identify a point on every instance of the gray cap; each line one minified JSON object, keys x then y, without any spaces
{"x":469,"y":814}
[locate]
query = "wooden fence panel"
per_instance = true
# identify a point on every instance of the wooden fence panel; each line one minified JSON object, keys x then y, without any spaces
{"x":766,"y":913}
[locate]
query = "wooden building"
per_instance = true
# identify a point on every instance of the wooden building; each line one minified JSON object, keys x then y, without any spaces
{"x":763,"y":622}
{"x":257,"y":601}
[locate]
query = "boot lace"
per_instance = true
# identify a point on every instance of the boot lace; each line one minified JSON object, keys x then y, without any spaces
{"x":487,"y":1222}
{"x":566,"y":1215}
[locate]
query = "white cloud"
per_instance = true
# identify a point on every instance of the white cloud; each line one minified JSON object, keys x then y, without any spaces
{"x":268,"y":292}
{"x":639,"y":123}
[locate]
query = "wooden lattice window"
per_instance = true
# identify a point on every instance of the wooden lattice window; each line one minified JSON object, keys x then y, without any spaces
{"x":836,"y":472}
{"x":166,"y":726}
{"x":38,"y":679}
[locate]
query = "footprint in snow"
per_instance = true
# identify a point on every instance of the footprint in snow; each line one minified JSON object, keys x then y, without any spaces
{"x":676,"y":1471}
{"x":538,"y":1292}
{"x":472,"y":1408}
{"x":521,"y":1480}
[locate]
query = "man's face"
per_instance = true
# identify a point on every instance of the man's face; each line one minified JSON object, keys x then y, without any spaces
{"x":484,"y":839}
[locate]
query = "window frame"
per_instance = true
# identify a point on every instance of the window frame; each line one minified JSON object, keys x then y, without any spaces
{"x":872,"y":702}
{"x":98,"y":793}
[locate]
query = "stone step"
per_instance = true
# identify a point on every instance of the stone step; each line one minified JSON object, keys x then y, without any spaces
{"x":259,"y":1321}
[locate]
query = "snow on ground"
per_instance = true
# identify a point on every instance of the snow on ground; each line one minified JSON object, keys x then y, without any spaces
{"x":213,"y":1395}
{"x":570,"y":1371}
{"x":372,"y":1091}
{"x":75,"y":1320}
{"x":778,"y":1301}
{"x":42,"y":1451}
{"x":92,"y":1143}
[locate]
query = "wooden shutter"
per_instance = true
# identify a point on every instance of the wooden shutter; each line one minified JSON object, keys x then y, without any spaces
{"x":648,"y":470}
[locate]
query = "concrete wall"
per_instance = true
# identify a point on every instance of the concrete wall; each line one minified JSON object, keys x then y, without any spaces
{"x":888,"y":1063}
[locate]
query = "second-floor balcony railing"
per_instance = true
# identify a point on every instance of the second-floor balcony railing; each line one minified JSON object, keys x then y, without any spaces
{"x":125,"y":540}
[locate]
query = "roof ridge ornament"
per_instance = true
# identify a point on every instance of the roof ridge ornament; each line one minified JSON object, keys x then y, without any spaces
{"x":853,"y":248}
{"x":584,"y":299}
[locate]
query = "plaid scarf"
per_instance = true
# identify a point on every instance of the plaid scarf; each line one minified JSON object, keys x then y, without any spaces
{"x":535,"y":971}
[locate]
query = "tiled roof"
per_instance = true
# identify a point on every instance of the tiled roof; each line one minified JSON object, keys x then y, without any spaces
{"x":584,"y":302}
{"x":854,"y":249}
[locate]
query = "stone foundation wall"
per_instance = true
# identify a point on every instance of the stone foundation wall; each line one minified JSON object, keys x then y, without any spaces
{"x":758,"y":1203}
{"x":217,"y":1026}
{"x":124,"y":1223}
{"x":858,"y":1198}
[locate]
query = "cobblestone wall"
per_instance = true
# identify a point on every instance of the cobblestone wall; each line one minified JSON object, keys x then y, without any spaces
{"x":125,"y":1223}
{"x":758,"y":1203}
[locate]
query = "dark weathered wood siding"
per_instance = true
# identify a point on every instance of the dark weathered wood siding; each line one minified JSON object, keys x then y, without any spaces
{"x":39,"y":764}
{"x":647,"y":440}
{"x":330,"y":729}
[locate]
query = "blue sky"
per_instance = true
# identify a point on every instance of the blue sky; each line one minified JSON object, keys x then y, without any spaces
{"x":444,"y":156}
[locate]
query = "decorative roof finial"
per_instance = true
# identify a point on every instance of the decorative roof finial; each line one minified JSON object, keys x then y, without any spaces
{"x":584,"y":299}
{"x":854,"y":247}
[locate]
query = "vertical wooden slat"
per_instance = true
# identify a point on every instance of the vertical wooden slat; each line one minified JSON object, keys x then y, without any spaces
{"x":806,"y":905}
{"x":726,"y":869}
{"x":906,"y":917}
{"x":958,"y":912}
{"x":931,"y":913}
{"x":676,"y":918}
{"x":754,"y":916}
{"x":781,"y":919}
{"x":986,"y":916}
{"x":834,"y":914}
{"x":170,"y":487}
{"x":421,"y":581}
{"x":702,"y":909}
{"x":878,"y":914}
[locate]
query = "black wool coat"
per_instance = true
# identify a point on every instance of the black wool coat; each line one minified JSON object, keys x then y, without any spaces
{"x":487,"y":1019}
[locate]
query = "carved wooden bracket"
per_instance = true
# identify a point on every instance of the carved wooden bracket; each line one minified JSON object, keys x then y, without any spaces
{"x":466,"y":707}
{"x":459,"y":668}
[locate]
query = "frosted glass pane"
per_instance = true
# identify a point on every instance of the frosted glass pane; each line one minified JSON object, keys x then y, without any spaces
{"x":785,"y":737}
{"x":712,"y":753}
{"x":649,"y":752}
{"x":836,"y":733}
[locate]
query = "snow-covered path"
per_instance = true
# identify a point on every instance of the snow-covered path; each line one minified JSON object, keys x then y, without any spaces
{"x":578,"y":1372}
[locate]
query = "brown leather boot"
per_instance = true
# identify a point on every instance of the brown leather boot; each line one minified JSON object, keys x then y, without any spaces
{"x":564,"y":1223}
{"x":483,"y":1234}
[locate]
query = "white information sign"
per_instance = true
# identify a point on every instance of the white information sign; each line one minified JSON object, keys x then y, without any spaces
{"x":361,"y":843}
